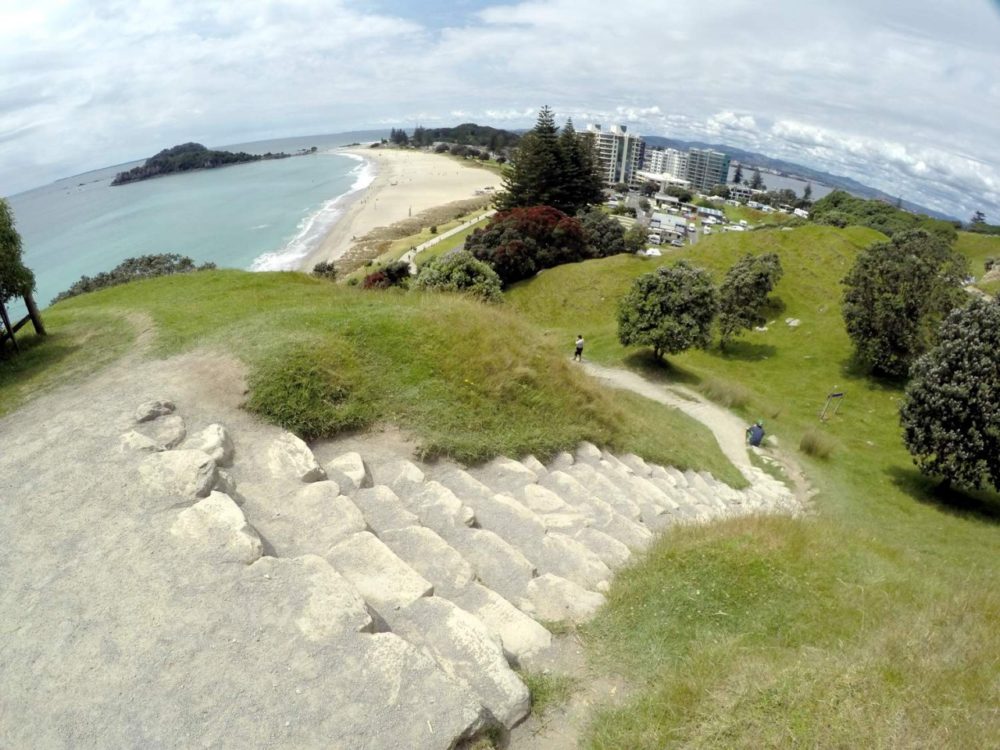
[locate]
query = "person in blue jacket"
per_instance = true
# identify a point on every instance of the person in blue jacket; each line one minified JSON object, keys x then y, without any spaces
{"x":755,"y":434}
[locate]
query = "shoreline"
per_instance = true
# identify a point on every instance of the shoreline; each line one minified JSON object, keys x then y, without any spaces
{"x":406,"y":183}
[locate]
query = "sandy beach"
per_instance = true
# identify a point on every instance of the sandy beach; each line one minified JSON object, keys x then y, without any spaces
{"x":407,"y":182}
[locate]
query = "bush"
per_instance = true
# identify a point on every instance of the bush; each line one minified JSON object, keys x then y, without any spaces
{"x":459,"y":271}
{"x":133,"y":269}
{"x":815,"y":443}
{"x":434,"y":229}
{"x":325,"y":270}
{"x":519,"y":242}
{"x":744,"y":292}
{"x":396,"y":273}
{"x":604,"y":235}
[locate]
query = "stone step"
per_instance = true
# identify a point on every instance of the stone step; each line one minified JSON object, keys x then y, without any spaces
{"x":608,"y":490}
{"x":383,"y":579}
{"x":550,"y":598}
{"x":350,"y":472}
{"x":573,"y":560}
{"x":497,"y":564}
{"x":430,"y":556}
{"x":522,"y":637}
{"x":402,"y":477}
{"x":383,"y":510}
{"x":467,"y":652}
{"x":638,"y":466}
{"x":504,"y":475}
{"x":613,"y":553}
{"x":510,"y":520}
{"x":438,"y":507}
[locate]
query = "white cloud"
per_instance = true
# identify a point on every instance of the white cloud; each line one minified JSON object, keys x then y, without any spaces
{"x":907,"y":101}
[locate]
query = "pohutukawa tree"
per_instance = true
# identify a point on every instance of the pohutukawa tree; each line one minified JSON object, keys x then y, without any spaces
{"x":670,"y":309}
{"x":951,"y":409}
{"x":743,"y":294}
{"x":897,"y":293}
{"x":16,"y":279}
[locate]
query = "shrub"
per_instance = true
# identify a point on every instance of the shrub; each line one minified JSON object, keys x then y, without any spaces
{"x":396,"y":273}
{"x":726,"y":392}
{"x":744,"y":291}
{"x":459,"y":271}
{"x":434,"y":229}
{"x":133,"y":269}
{"x":815,"y":443}
{"x":325,"y":270}
{"x":604,"y":235}
{"x":519,"y":242}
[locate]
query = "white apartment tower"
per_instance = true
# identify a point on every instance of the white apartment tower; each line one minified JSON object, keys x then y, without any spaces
{"x":666,"y":160}
{"x":619,"y":153}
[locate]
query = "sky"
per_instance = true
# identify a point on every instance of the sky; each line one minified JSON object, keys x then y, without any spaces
{"x":901,"y":95}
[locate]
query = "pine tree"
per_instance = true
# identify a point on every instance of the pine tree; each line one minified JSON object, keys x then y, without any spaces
{"x":581,"y":183}
{"x":756,"y":182}
{"x":738,"y":175}
{"x":532,"y":181}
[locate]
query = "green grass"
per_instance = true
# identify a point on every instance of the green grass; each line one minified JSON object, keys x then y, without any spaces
{"x":977,"y":248}
{"x":469,"y":381}
{"x":548,"y":690}
{"x":77,"y":346}
{"x":870,"y":625}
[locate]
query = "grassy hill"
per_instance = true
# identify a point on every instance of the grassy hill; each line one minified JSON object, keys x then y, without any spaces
{"x":469,"y":381}
{"x":869,"y":625}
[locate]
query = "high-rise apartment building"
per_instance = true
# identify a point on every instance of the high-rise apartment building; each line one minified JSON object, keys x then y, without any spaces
{"x":619,"y":153}
{"x":706,"y":168}
{"x":666,"y":161}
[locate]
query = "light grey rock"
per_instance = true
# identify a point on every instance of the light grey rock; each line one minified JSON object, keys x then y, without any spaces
{"x":290,"y":458}
{"x":533,"y":464}
{"x":383,"y":510}
{"x":439,"y":507}
{"x":430,"y":556}
{"x":464,"y":485}
{"x":613,"y":553}
{"x":310,"y":520}
{"x":352,"y":467}
{"x":510,"y":520}
{"x":505,"y":475}
{"x":184,"y":473}
{"x":166,"y":432}
{"x":497,"y":564}
{"x":309,"y":595}
{"x":656,"y":517}
{"x":522,"y":638}
{"x":568,"y":523}
{"x":385,"y":581}
{"x":572,"y":560}
{"x":136,"y":441}
{"x":576,"y":495}
{"x":467,"y":652}
{"x":542,"y":500}
{"x":588,"y":453}
{"x":561,"y":461}
{"x":225,"y":483}
{"x":611,"y":462}
{"x":550,"y":598}
{"x":215,"y":528}
{"x":610,"y":491}
{"x":216,"y":442}
{"x":149,"y":410}
{"x":403,"y":477}
{"x":637,"y":464}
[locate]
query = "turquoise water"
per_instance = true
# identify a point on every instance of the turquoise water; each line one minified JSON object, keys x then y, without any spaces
{"x":262,"y":216}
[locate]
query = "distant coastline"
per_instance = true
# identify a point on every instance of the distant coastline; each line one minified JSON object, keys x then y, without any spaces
{"x":189,"y":157}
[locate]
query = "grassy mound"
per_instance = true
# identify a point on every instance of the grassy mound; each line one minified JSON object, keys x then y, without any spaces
{"x":871,"y":625}
{"x":470,"y":381}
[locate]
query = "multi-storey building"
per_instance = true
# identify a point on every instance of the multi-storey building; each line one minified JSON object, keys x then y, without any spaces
{"x":706,"y":168}
{"x":666,"y":161}
{"x":619,"y":153}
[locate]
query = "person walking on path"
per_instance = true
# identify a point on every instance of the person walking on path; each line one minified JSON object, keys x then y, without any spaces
{"x":578,"y":354}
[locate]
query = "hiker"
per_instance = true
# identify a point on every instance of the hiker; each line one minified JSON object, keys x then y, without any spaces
{"x":755,"y":434}
{"x":578,"y":354}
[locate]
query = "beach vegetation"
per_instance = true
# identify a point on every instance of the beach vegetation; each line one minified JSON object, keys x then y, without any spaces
{"x":552,"y":169}
{"x":394,"y":273}
{"x":325,"y":269}
{"x":459,"y":271}
{"x":896,"y":295}
{"x":519,"y":242}
{"x":134,"y":269}
{"x":744,"y":292}
{"x":869,"y":621}
{"x":951,"y":410}
{"x":670,"y":309}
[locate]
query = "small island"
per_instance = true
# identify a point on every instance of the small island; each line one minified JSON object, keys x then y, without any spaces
{"x":190,"y":156}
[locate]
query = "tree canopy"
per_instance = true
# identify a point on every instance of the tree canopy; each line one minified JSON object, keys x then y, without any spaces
{"x":842,"y":209}
{"x":133,"y":269}
{"x":604,"y":234}
{"x":951,"y":409}
{"x":459,"y":271}
{"x":552,"y":169}
{"x":897,"y":293}
{"x":16,"y":279}
{"x":185,"y":157}
{"x":744,"y":292}
{"x":670,"y":309}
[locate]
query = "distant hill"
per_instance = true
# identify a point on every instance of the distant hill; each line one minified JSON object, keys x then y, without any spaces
{"x":185,"y":158}
{"x":790,"y":169}
{"x":466,"y":134}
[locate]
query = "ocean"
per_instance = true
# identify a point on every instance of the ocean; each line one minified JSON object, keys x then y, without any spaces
{"x":265,"y":215}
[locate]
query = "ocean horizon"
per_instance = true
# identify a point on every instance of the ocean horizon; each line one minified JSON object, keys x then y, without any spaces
{"x":261,"y":216}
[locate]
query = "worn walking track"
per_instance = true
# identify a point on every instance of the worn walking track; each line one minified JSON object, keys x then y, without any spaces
{"x":178,"y":574}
